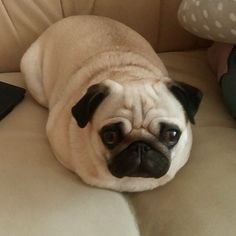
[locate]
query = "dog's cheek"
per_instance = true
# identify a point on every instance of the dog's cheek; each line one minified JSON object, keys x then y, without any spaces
{"x":97,"y":148}
{"x":181,"y":152}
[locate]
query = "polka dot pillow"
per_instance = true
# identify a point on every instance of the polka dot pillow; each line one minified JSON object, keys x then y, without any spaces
{"x":211,"y":19}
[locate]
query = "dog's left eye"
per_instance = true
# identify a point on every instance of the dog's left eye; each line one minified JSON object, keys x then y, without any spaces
{"x":169,"y":136}
{"x":111,"y":135}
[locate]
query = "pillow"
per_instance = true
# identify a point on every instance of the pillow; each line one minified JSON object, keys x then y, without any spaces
{"x":216,"y":20}
{"x":211,"y":19}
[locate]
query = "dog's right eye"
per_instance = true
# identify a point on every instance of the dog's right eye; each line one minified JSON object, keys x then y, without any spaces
{"x":111,"y":135}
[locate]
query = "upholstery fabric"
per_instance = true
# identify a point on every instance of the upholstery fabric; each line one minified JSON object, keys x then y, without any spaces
{"x":192,"y":67}
{"x":40,"y":197}
{"x":209,"y":19}
{"x":200,"y":201}
{"x":21,"y":22}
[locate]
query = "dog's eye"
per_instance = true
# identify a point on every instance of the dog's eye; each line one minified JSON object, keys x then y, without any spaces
{"x":169,"y":136}
{"x":111,"y":135}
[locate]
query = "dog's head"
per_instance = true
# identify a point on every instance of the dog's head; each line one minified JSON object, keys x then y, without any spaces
{"x":140,"y":127}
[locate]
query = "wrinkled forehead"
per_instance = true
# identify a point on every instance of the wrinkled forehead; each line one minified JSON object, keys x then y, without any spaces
{"x":143,"y":105}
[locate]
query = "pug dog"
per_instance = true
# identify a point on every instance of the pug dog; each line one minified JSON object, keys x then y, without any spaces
{"x":115,"y":117}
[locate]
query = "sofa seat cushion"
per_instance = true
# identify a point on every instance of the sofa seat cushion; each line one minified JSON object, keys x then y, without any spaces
{"x":200,"y":201}
{"x":38,"y":195}
{"x":192,"y":67}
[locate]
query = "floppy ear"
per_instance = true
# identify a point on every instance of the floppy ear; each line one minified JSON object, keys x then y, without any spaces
{"x":189,"y":96}
{"x":85,"y":108}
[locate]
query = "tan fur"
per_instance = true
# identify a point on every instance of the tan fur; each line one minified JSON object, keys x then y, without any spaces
{"x":80,"y":51}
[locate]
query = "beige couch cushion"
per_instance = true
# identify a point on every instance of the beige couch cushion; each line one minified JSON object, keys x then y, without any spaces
{"x":38,"y":196}
{"x":192,"y":67}
{"x":200,"y":201}
{"x":21,"y":22}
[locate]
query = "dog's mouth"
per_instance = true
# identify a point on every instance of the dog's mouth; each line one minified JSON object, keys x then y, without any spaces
{"x":140,"y":173}
{"x":139,"y":160}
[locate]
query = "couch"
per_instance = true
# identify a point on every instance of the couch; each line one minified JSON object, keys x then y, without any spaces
{"x":38,"y":196}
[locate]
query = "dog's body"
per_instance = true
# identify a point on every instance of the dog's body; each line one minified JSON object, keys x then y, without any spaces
{"x":81,"y":51}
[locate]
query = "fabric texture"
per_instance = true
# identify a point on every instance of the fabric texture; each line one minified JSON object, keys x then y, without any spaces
{"x":200,"y":201}
{"x":39,"y":196}
{"x":218,"y":55}
{"x":228,"y":83}
{"x":21,"y":22}
{"x":215,"y":20}
{"x":210,"y":19}
{"x":222,"y":59}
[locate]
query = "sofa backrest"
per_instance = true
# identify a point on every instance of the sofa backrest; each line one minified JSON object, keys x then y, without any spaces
{"x":22,"y":21}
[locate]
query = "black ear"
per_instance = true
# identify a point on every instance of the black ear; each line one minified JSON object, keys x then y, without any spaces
{"x":189,"y":96}
{"x":85,"y":108}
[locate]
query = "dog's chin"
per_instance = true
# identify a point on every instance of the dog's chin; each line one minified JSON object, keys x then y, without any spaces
{"x":134,"y":184}
{"x":125,"y":184}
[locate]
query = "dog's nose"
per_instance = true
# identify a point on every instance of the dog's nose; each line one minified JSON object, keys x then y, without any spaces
{"x":141,"y":147}
{"x":139,"y":160}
